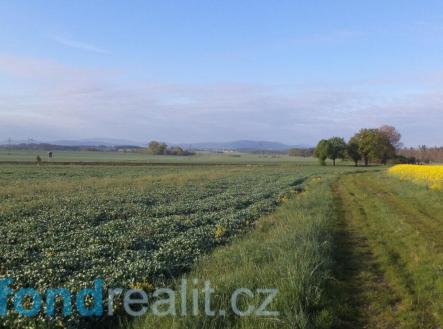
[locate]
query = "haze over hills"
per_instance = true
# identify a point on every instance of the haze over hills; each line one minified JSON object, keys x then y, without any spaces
{"x":75,"y":142}
{"x":215,"y":146}
{"x":234,"y":145}
{"x":97,"y":142}
{"x":242,"y":145}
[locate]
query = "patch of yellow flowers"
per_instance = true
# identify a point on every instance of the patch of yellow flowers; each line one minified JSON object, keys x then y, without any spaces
{"x":430,"y":175}
{"x":220,"y":231}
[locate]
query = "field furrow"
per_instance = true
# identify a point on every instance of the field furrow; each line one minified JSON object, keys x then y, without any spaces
{"x":139,"y":226}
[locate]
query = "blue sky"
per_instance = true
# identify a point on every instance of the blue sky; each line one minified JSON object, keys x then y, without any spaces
{"x":190,"y":71}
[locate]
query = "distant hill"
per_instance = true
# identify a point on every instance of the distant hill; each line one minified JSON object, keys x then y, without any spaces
{"x":92,"y":142}
{"x":242,"y":145}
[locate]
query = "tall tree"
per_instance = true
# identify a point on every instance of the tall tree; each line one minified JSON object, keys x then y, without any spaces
{"x":392,"y":135}
{"x":373,"y":144}
{"x":389,"y":142}
{"x":337,"y":148}
{"x":366,"y":139}
{"x":322,"y":151}
{"x":157,"y":148}
{"x":353,"y":151}
{"x":385,"y":148}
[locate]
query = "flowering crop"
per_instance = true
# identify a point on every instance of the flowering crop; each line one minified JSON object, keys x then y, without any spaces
{"x":432,"y":176}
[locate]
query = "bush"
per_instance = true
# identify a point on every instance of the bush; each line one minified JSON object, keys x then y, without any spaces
{"x":400,"y":159}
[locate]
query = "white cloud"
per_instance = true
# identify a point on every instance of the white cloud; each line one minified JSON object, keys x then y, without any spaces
{"x":96,"y":104}
{"x":79,"y":45}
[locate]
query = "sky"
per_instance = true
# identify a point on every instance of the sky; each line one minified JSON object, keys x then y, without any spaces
{"x":199,"y":71}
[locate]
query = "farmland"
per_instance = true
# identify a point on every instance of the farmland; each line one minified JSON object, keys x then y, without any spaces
{"x":346,"y":247}
{"x":164,"y":219}
{"x":391,"y":252}
{"x":29,"y":156}
{"x":355,"y":250}
{"x":432,"y":176}
{"x":67,"y":225}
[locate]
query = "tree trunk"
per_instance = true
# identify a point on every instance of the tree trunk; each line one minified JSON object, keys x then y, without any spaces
{"x":333,"y":162}
{"x":366,"y":161}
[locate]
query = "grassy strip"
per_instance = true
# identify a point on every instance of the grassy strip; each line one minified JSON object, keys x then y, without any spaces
{"x":290,"y":250}
{"x":400,"y":263}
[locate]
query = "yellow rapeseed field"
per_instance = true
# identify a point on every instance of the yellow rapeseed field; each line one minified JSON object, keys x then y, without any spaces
{"x":430,"y":175}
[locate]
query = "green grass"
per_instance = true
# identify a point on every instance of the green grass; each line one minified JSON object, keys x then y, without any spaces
{"x":92,"y":156}
{"x":358,"y":250}
{"x":67,"y":225}
{"x":355,"y":249}
{"x":391,"y":253}
{"x":290,"y":250}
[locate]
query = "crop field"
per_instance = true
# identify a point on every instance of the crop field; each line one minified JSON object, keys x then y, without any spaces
{"x":291,"y":250}
{"x":131,"y":226}
{"x":346,"y":247}
{"x":23,"y":155}
{"x":432,"y":176}
{"x":152,"y":223}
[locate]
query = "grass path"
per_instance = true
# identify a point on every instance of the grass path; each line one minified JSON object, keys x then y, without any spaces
{"x":390,"y":253}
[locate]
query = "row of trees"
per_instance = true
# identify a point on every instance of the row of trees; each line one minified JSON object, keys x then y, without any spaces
{"x":157,"y":148}
{"x":423,"y":154}
{"x":379,"y":144}
{"x":301,"y":152}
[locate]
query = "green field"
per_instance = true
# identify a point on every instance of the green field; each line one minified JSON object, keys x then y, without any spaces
{"x":346,"y":247}
{"x":130,"y":157}
{"x":394,"y":258}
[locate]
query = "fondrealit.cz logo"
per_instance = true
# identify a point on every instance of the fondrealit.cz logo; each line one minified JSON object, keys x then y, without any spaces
{"x":99,"y":301}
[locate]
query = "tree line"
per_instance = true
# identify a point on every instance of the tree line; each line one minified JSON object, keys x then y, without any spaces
{"x":157,"y":148}
{"x":368,"y":145}
{"x":301,"y":152}
{"x":422,"y":154}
